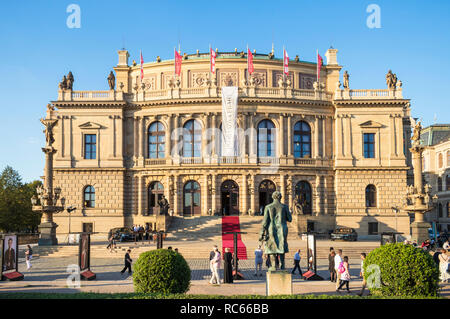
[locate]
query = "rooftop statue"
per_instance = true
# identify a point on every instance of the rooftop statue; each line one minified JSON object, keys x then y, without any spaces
{"x":111,"y":80}
{"x":63,"y":83}
{"x":70,"y":81}
{"x":391,"y":80}
{"x":416,"y":133}
{"x":274,"y":230}
{"x":346,"y":80}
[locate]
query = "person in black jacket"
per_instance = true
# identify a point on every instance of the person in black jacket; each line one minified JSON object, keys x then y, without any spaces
{"x":128,"y":262}
{"x":228,"y":267}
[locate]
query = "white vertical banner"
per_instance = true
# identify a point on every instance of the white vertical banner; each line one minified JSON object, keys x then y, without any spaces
{"x":229,"y":121}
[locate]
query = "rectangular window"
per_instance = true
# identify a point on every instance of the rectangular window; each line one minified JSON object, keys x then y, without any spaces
{"x":373,"y":228}
{"x":369,"y":145}
{"x":90,"y":146}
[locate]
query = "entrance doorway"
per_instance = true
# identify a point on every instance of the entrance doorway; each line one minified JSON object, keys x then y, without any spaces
{"x":230,"y":198}
{"x":266,"y":189}
{"x":155,"y":193}
{"x":191,"y":198}
{"x":304,"y":193}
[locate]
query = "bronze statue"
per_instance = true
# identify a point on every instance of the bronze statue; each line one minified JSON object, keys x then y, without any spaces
{"x":70,"y":81}
{"x":111,"y":81}
{"x":346,"y":80}
{"x":274,"y":230}
{"x":164,"y":205}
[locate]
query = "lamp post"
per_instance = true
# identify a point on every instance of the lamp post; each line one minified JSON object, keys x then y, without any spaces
{"x":49,"y":200}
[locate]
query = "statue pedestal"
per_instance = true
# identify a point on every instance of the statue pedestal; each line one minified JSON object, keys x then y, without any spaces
{"x":279,"y":283}
{"x":419,"y":231}
{"x":47,"y":235}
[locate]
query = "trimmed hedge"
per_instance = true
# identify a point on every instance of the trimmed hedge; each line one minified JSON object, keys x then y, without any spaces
{"x":404,"y":271}
{"x":161,"y":271}
{"x":90,"y":295}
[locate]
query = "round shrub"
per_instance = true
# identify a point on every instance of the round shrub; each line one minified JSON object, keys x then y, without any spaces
{"x":404,"y":271}
{"x":161,"y":271}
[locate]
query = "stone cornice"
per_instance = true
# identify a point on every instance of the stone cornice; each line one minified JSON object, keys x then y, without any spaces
{"x":364,"y":103}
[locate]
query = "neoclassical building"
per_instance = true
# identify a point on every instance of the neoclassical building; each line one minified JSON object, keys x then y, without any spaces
{"x":343,"y":152}
{"x":436,"y":171}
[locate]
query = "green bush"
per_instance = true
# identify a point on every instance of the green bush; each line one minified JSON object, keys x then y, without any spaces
{"x":404,"y":271}
{"x":161,"y":271}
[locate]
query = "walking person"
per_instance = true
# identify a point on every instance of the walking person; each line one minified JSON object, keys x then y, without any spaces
{"x":337,"y":262}
{"x":228,"y":267}
{"x":215,"y":267}
{"x":110,"y":243}
{"x":297,"y":263}
{"x":128,"y":262}
{"x":345,"y":275}
{"x":331,"y":266}
{"x":258,"y":260}
{"x":443,"y":266}
{"x":361,"y":274}
{"x":212,"y":253}
{"x":28,"y":256}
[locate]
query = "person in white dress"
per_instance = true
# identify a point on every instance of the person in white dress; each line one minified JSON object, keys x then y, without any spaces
{"x":215,"y":267}
{"x":443,"y":266}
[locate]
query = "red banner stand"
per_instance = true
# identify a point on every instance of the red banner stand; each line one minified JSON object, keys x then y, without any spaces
{"x":87,"y":275}
{"x":12,"y":276}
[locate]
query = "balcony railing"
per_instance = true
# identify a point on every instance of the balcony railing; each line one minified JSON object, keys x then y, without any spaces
{"x":368,"y":94}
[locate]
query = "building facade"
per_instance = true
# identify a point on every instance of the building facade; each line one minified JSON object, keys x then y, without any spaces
{"x":436,"y":171}
{"x":342,"y":153}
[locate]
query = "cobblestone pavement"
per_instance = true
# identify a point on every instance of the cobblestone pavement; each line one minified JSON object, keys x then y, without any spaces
{"x":50,"y":275}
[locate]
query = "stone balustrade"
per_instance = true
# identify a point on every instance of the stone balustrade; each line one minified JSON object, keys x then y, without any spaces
{"x":348,"y":94}
{"x":201,"y":92}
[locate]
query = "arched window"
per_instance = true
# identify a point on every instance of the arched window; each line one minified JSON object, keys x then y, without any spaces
{"x":192,"y":139}
{"x":266,"y":189}
{"x":266,"y":138}
{"x":155,"y":194}
{"x":302,"y":140}
{"x":371,"y":196}
{"x":89,"y":197}
{"x":191,"y":198}
{"x":439,"y":184}
{"x":440,"y":160}
{"x":440,"y":211}
{"x":447,"y":182}
{"x":156,"y":140}
{"x":303,"y":193}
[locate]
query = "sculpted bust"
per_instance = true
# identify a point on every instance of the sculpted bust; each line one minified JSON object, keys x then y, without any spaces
{"x":274,"y":230}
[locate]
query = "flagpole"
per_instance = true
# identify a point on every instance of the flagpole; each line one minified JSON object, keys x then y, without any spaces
{"x":247,"y":65}
{"x":175,"y":61}
{"x":210,"y":66}
{"x":317,"y":67}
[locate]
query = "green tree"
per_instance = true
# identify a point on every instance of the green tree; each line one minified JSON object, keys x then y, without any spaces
{"x":15,"y":203}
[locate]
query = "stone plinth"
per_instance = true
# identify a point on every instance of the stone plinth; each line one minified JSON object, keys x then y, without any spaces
{"x":419,"y":231}
{"x":47,"y":232}
{"x":279,"y":283}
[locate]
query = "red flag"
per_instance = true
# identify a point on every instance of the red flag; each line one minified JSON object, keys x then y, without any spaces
{"x":285,"y":62}
{"x":177,"y":63}
{"x":250,"y":66}
{"x":142,"y":68}
{"x":212,"y":60}
{"x":319,"y":65}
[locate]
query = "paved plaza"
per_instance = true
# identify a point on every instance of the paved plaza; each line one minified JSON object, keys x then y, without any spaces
{"x":50,"y":275}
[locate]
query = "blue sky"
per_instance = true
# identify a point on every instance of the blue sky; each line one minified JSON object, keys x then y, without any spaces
{"x":37,"y":49}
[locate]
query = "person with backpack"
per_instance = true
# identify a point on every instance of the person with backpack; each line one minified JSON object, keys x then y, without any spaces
{"x":337,"y":262}
{"x":343,"y":269}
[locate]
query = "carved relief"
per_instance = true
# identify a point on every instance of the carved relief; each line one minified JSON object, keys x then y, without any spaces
{"x":228,"y":78}
{"x":168,"y":80}
{"x":259,"y":78}
{"x":199,"y":79}
{"x":277,"y":75}
{"x":150,"y":82}
{"x":306,"y":81}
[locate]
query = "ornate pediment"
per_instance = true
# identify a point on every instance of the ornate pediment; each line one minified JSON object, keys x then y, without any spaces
{"x":90,"y":125}
{"x":371,"y":124}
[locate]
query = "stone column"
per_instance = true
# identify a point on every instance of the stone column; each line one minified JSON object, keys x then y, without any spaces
{"x":318,"y":196}
{"x":281,"y":137}
{"x":136,"y":137}
{"x":316,"y":138}
{"x":142,"y":139}
{"x":252,"y":194}
{"x":214,"y":145}
{"x":290,"y":192}
{"x":119,"y":134}
{"x":284,"y":200}
{"x":61,"y":137}
{"x":213,"y":195}
{"x":203,"y":152}
{"x":141,"y":197}
{"x":325,"y":195}
{"x":290,"y":134}
{"x":244,"y":199}
{"x":324,"y":136}
{"x":399,"y":131}
{"x":204,"y":196}
{"x":253,"y":138}
{"x":348,"y":137}
{"x":176,"y":195}
{"x":392,"y":135}
{"x":168,"y":137}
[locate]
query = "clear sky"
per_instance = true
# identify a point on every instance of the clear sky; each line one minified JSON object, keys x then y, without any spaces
{"x":37,"y":48}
